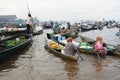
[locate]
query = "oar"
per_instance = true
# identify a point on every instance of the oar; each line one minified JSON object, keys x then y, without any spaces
{"x":99,"y":58}
{"x":79,"y":54}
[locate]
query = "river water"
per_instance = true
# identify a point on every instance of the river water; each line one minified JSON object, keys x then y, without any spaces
{"x":36,"y":63}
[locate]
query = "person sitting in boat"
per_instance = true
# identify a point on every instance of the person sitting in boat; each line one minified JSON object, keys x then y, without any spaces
{"x":57,"y":30}
{"x":70,"y":48}
{"x":68,"y":30}
{"x":98,"y":44}
{"x":63,"y":30}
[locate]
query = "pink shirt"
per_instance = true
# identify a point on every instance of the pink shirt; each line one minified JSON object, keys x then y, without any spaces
{"x":98,"y":46}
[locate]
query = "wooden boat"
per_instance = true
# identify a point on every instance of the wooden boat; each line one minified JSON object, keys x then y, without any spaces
{"x":7,"y":49}
{"x":111,"y":49}
{"x":47,"y":26}
{"x":61,"y":54}
{"x":86,"y":28}
{"x":37,"y":30}
{"x":11,"y":31}
{"x":72,"y":34}
{"x":65,"y":35}
{"x":117,"y":34}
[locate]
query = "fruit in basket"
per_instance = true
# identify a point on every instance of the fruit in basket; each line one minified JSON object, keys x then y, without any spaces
{"x":54,"y":45}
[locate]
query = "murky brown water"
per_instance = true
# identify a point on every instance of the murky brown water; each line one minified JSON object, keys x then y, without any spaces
{"x":35,"y":63}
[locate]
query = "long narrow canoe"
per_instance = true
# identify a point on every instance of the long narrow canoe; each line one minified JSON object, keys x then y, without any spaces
{"x":85,"y":28}
{"x":18,"y":32}
{"x":70,"y":34}
{"x":117,"y":34}
{"x":112,"y":50}
{"x":11,"y":46}
{"x":37,"y":30}
{"x":61,"y":54}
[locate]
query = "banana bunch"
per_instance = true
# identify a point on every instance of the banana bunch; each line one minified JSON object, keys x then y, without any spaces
{"x":54,"y":45}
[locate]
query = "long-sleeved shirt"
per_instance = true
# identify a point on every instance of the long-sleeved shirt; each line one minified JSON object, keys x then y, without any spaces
{"x":70,"y":48}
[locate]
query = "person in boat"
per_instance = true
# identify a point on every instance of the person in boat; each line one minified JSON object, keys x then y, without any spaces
{"x":70,"y":48}
{"x":29,"y":23}
{"x":98,"y":44}
{"x":63,"y":30}
{"x":68,"y":30}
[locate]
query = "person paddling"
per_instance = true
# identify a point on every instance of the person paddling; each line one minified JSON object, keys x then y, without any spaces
{"x":70,"y":48}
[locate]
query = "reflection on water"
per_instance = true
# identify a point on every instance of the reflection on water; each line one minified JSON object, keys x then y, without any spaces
{"x":71,"y":68}
{"x":98,"y":66}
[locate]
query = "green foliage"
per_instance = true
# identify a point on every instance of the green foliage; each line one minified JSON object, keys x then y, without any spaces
{"x":14,"y":42}
{"x":83,"y":44}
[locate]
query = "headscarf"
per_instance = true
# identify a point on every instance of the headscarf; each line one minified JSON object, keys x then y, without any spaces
{"x":69,"y":39}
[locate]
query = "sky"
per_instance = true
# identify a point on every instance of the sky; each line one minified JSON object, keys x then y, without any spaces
{"x":59,"y":10}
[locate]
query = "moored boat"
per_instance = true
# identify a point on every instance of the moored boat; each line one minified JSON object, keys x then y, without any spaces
{"x":117,"y":34}
{"x":12,"y":31}
{"x":87,"y":28}
{"x":63,"y":35}
{"x":12,"y":45}
{"x":37,"y":30}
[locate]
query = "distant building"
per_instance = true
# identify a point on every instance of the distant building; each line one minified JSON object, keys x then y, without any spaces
{"x":7,"y":19}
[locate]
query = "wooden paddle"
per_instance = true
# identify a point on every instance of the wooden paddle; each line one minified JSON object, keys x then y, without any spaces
{"x":99,"y":58}
{"x":79,"y":54}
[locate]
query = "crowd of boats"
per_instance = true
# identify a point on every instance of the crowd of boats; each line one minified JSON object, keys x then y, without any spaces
{"x":12,"y":39}
{"x":55,"y":42}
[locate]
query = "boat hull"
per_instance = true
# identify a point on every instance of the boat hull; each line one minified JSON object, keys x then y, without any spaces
{"x":115,"y":51}
{"x":5,"y":53}
{"x":38,"y":32}
{"x":62,"y":55}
